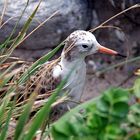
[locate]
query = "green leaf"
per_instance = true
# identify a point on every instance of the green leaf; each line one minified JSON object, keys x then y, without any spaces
{"x":120,"y":109}
{"x":96,"y":122}
{"x":105,"y":113}
{"x":120,"y":95}
{"x":113,"y":132}
{"x":114,"y":95}
{"x":60,"y":127}
{"x":103,"y":105}
{"x":136,"y":136}
{"x":134,"y":115}
{"x":136,"y":108}
{"x":78,"y":126}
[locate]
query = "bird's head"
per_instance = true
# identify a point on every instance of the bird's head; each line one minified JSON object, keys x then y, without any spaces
{"x":80,"y":44}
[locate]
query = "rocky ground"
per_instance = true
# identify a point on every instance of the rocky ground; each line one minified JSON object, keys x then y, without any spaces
{"x":85,"y":14}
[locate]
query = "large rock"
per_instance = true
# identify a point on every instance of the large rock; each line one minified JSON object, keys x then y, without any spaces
{"x":73,"y":14}
{"x":128,"y":22}
{"x":126,"y":41}
{"x":134,"y":14}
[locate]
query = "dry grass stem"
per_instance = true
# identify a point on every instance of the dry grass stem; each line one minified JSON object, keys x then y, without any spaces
{"x":3,"y":12}
{"x":41,"y":24}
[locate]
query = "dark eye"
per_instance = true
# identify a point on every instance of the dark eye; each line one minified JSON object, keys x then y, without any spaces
{"x":84,"y":46}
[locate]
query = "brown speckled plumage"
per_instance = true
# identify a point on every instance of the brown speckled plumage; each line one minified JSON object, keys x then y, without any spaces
{"x":41,"y":82}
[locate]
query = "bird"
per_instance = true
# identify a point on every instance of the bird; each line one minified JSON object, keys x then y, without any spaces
{"x":78,"y":45}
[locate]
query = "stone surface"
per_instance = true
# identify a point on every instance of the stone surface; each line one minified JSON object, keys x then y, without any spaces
{"x":127,"y":22}
{"x":134,"y":14}
{"x":72,"y":15}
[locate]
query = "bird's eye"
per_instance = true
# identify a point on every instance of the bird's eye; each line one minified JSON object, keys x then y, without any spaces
{"x":84,"y":46}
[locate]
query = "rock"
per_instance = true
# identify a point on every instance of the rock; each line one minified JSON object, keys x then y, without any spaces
{"x":120,"y":35}
{"x":134,"y":14}
{"x":30,"y":55}
{"x":95,"y":21}
{"x":72,"y":15}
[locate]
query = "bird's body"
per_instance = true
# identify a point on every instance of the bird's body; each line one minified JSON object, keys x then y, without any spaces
{"x":77,"y":46}
{"x":76,"y":81}
{"x":49,"y":76}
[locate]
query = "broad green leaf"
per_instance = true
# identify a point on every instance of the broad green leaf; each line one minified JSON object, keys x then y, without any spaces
{"x":96,"y":122}
{"x":103,"y":105}
{"x":113,"y":132}
{"x":114,"y":95}
{"x":120,"y":109}
{"x":77,"y":126}
{"x":120,"y":95}
{"x":61,"y":125}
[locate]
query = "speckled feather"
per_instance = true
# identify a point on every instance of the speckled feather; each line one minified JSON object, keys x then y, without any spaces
{"x":42,"y":81}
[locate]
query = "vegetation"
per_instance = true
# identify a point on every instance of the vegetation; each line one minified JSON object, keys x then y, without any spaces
{"x":113,"y":115}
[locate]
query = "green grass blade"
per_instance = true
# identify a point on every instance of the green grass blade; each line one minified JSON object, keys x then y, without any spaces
{"x":5,"y":102}
{"x":7,"y":70}
{"x":3,"y":135}
{"x":43,"y":114}
{"x":3,"y":82}
{"x":22,"y":34}
{"x":24,"y":117}
{"x":38,"y":63}
{"x":6,"y":42}
{"x":9,"y":40}
{"x":26,"y":26}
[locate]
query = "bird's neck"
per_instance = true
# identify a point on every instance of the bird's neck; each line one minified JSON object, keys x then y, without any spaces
{"x":76,"y":81}
{"x":64,"y":67}
{"x":75,"y":63}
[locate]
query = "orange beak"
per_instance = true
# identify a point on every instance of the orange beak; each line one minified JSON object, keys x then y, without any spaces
{"x":105,"y":50}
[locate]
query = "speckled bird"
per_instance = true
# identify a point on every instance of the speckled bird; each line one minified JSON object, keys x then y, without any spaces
{"x":78,"y":45}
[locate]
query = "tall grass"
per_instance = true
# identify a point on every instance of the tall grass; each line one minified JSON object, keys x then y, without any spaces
{"x":8,"y":107}
{"x":24,"y":127}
